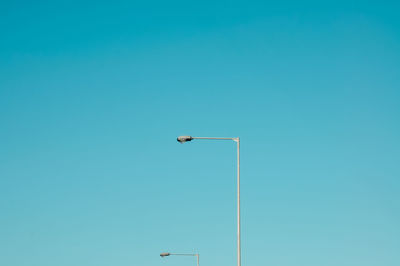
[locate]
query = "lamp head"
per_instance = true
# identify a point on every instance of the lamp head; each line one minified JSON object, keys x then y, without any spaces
{"x":165,"y":254}
{"x":183,"y":139}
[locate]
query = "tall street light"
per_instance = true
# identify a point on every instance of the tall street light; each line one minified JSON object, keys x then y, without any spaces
{"x":183,"y":139}
{"x":166,"y":254}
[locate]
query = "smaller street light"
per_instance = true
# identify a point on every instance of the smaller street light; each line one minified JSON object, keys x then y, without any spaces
{"x":166,"y":254}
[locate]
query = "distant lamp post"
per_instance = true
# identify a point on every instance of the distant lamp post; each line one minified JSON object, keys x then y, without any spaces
{"x":183,"y":139}
{"x":166,"y":254}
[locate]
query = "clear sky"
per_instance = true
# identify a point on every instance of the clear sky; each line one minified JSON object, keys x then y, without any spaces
{"x":93,"y":95}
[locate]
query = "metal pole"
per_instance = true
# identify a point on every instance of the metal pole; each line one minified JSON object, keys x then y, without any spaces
{"x":198,"y":259}
{"x":238,"y":202}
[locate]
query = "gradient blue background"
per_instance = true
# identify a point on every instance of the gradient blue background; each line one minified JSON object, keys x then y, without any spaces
{"x":93,"y":95}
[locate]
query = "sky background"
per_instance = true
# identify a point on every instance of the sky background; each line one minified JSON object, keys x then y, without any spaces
{"x":93,"y":95}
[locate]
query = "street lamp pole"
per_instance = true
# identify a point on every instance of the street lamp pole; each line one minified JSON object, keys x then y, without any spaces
{"x":183,"y":139}
{"x":176,"y":254}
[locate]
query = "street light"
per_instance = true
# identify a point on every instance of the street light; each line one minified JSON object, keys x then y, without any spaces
{"x":183,"y":139}
{"x":166,"y":254}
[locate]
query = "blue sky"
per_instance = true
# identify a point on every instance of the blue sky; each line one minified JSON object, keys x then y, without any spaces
{"x":93,"y":95}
